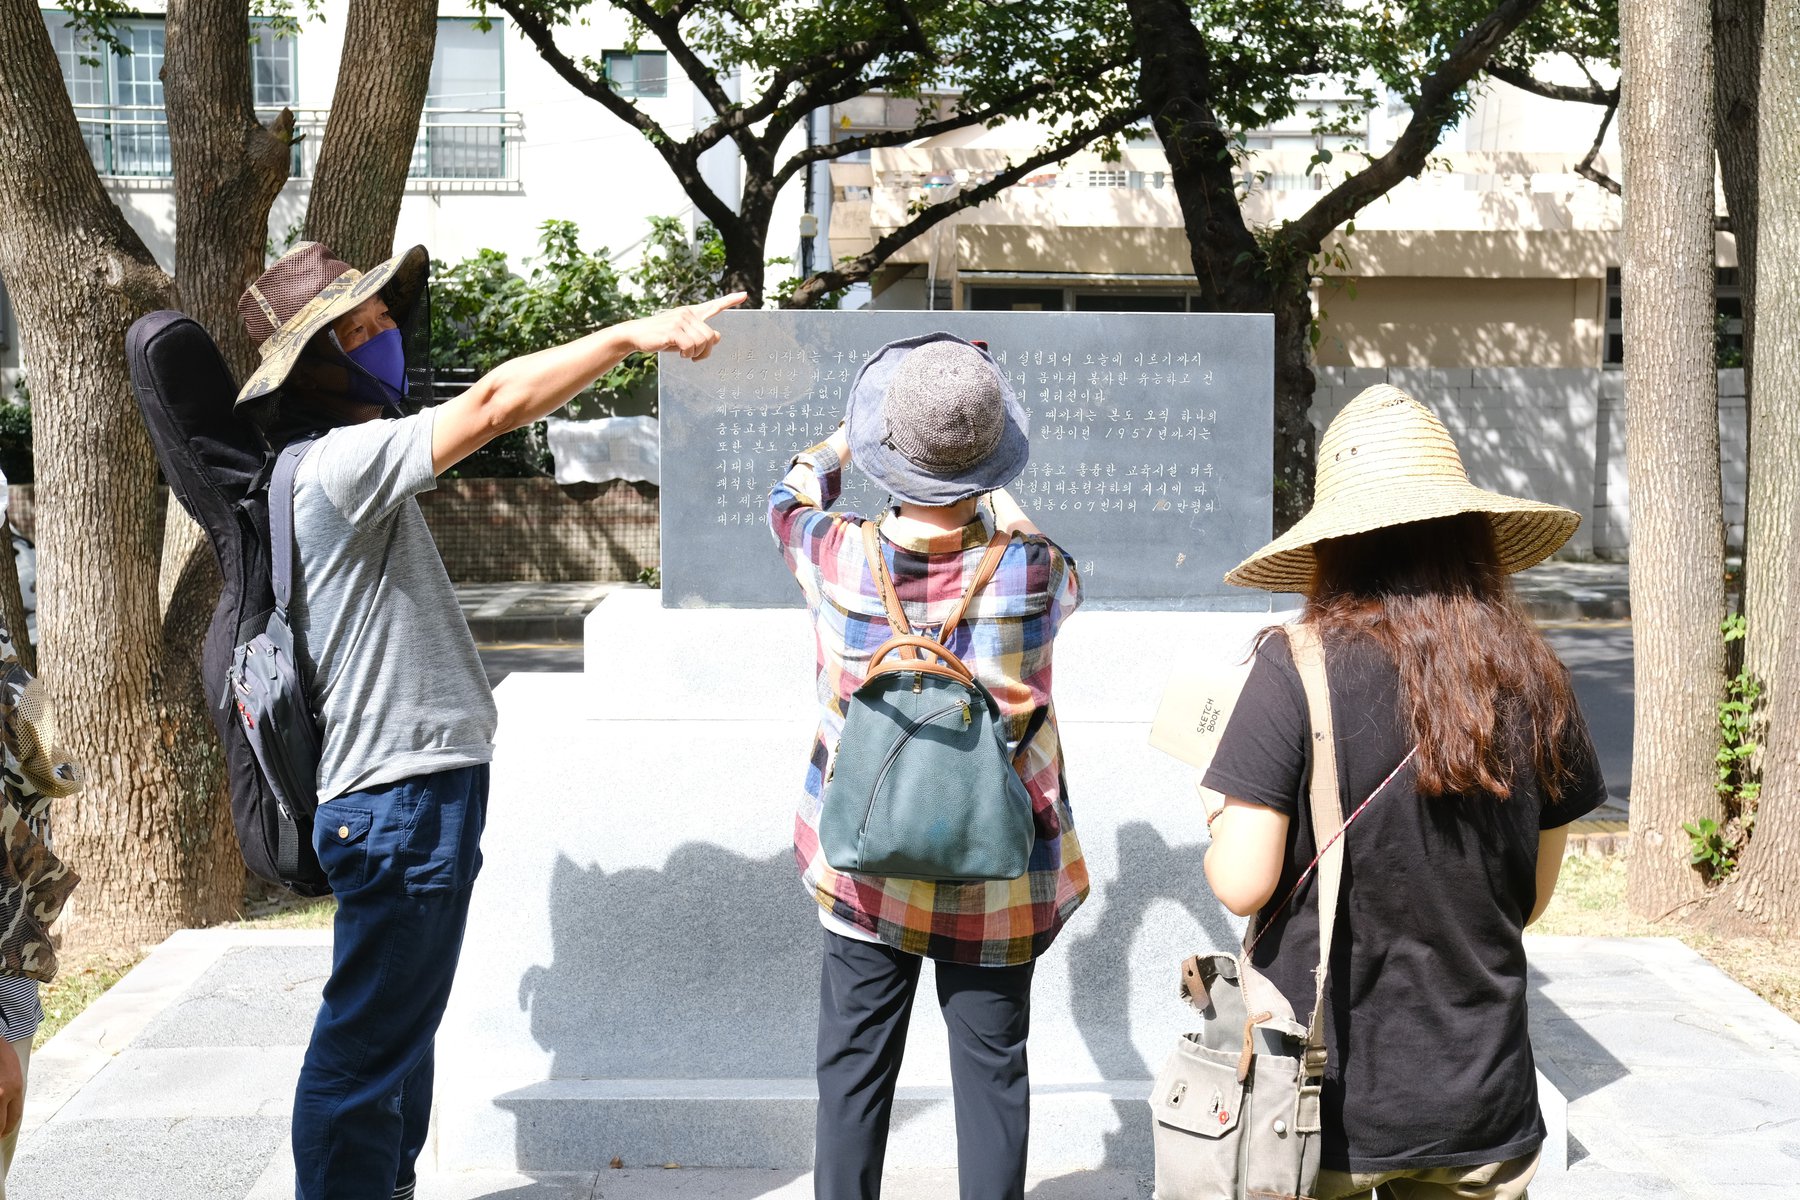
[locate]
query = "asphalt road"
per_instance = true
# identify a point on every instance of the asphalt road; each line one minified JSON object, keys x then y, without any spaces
{"x":1598,"y":654}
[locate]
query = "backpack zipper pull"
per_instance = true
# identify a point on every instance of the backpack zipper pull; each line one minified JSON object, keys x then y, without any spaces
{"x":918,"y":682}
{"x":968,"y":716}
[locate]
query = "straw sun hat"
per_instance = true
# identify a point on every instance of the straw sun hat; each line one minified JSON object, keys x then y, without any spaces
{"x":1386,"y":460}
{"x":304,"y":291}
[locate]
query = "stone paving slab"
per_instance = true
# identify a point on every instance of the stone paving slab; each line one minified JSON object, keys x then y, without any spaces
{"x":719,"y":1184}
{"x":164,"y":1158}
{"x":1680,"y":1082}
{"x":262,"y":995}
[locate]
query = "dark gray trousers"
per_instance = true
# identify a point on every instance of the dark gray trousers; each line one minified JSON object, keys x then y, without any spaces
{"x":865,"y":1003}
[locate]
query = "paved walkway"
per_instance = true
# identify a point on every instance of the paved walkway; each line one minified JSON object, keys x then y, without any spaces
{"x":176,"y":1085}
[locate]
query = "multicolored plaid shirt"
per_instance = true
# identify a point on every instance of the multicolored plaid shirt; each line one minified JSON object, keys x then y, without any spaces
{"x":1005,"y":639}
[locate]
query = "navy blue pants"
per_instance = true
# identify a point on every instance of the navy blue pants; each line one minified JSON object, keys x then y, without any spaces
{"x":865,"y":1004}
{"x":401,"y":859}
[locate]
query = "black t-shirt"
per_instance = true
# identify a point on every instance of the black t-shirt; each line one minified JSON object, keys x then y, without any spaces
{"x":1429,"y":1052}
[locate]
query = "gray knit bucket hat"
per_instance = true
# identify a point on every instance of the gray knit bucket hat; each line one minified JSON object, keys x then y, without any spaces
{"x":933,"y":420}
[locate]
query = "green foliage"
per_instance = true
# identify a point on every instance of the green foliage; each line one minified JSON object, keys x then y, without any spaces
{"x":1717,"y":845}
{"x":678,"y":269}
{"x":15,"y":436}
{"x":1710,"y":849}
{"x":1738,"y":748}
{"x":287,"y":16}
{"x":1727,"y":351}
{"x":484,"y":313}
{"x":650,"y":577}
{"x":766,"y":65}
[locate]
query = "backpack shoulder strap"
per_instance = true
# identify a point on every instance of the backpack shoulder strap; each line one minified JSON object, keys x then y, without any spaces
{"x":1327,"y":820}
{"x":896,"y":614}
{"x":282,"y":548}
{"x":990,"y":562}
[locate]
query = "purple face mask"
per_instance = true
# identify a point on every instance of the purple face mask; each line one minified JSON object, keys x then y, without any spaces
{"x":384,"y":357}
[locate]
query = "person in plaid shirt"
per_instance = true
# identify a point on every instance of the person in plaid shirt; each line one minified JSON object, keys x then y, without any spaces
{"x":932,"y":420}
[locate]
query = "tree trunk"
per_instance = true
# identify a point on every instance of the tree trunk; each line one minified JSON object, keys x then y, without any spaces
{"x":1295,"y":439}
{"x":146,"y":834}
{"x":12,"y":603}
{"x":230,"y":167}
{"x":1672,"y":436}
{"x":1772,"y":489}
{"x":1766,"y":887}
{"x":361,"y":174}
{"x":746,"y":241}
{"x":1230,"y":265}
{"x":1737,"y":52}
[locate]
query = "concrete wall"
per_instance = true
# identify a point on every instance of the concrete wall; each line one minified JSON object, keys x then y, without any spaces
{"x":1549,"y":434}
{"x":1404,"y":321}
{"x":503,"y":530}
{"x":507,"y":530}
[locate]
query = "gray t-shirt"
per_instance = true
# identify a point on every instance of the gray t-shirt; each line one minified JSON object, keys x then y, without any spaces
{"x":392,"y":670}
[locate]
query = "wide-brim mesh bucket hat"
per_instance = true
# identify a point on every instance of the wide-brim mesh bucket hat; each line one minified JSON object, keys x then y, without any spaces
{"x":1387,"y":460}
{"x":933,"y":420}
{"x":304,"y":291}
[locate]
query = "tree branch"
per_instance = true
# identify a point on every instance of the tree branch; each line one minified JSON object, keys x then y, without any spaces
{"x":774,"y":98}
{"x":1431,"y":113}
{"x":1525,"y":81}
{"x":681,"y":156}
{"x":538,"y":30}
{"x":1586,"y":168}
{"x":667,"y":28}
{"x":863,"y":265}
{"x":899,"y":137}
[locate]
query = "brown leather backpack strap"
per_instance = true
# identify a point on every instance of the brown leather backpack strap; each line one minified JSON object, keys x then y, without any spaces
{"x":990,"y":562}
{"x":949,"y":667}
{"x":896,"y":614}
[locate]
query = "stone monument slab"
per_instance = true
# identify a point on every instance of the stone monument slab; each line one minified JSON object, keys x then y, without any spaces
{"x":1151,"y":444}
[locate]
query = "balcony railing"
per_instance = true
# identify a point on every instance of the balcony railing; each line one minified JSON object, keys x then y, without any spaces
{"x":459,"y":149}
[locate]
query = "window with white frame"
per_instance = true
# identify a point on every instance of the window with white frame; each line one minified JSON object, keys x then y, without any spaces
{"x":464,"y":133}
{"x":118,"y":97}
{"x":637,"y":72}
{"x":272,"y":67}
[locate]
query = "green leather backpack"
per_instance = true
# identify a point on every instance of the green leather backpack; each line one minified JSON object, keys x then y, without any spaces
{"x":922,"y":785}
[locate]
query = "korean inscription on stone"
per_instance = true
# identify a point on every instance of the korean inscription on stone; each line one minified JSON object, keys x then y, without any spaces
{"x":1150,"y":444}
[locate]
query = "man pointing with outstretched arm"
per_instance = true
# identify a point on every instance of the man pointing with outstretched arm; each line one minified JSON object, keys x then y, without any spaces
{"x":407,"y":718}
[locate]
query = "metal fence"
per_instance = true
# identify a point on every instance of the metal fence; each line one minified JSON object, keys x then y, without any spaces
{"x":458,"y":148}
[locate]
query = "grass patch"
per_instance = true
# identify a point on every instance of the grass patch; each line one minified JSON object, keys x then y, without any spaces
{"x":296,"y":914}
{"x":80,"y":980}
{"x":1590,"y":902}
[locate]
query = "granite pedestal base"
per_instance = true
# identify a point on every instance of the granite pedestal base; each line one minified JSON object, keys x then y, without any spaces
{"x":640,"y":978}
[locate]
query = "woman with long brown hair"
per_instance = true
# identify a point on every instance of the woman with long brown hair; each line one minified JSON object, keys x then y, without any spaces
{"x":1429,"y":1087}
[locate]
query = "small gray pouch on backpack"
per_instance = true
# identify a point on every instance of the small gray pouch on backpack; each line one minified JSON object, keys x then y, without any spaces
{"x":266,"y":679}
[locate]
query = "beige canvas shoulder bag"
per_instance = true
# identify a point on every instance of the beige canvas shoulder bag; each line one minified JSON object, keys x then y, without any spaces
{"x":1235,"y":1109}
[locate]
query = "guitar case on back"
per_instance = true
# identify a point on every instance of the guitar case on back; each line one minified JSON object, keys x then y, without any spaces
{"x":217,"y":467}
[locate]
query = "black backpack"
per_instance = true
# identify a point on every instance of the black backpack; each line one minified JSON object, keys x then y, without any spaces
{"x":218,"y":467}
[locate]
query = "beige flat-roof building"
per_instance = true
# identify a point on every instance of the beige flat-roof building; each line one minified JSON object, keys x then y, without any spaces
{"x":1488,"y":286}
